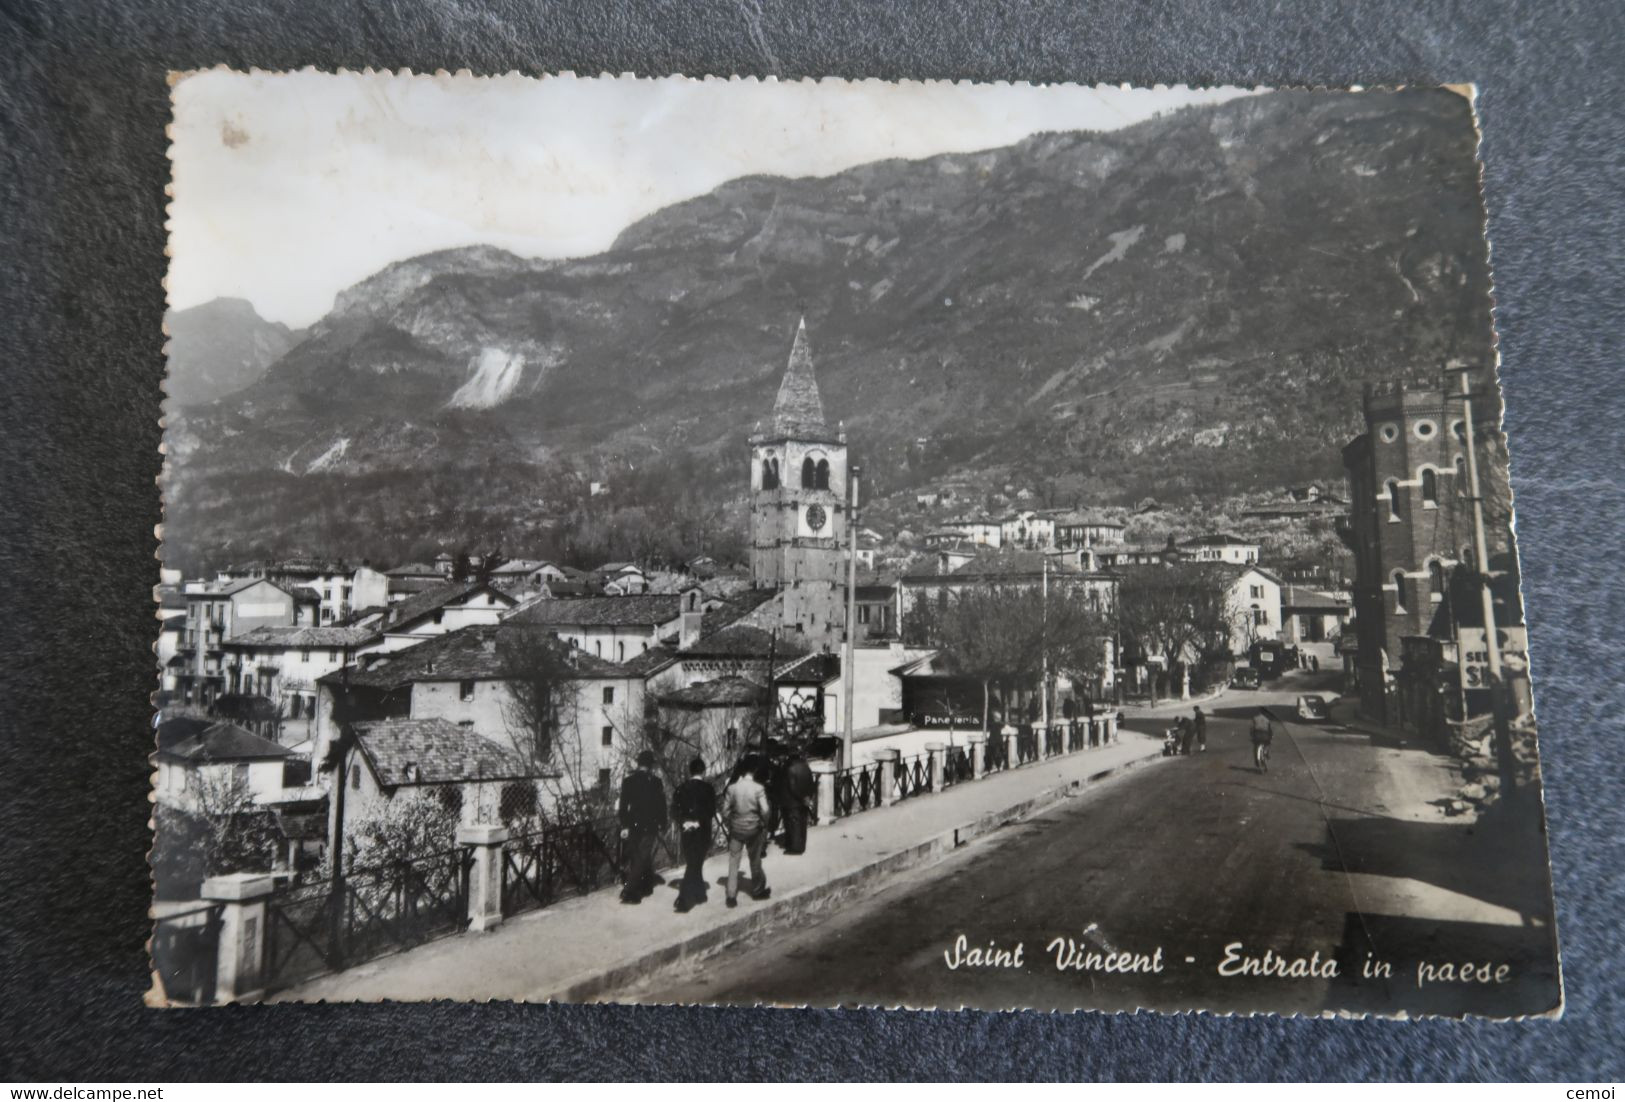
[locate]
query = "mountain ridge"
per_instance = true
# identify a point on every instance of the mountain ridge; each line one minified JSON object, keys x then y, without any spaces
{"x":1113,"y":312}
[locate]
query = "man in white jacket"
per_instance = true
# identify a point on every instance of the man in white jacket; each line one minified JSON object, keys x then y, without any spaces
{"x":746,"y":811}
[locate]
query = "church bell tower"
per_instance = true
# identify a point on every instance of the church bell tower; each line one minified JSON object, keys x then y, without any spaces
{"x":798,"y":516}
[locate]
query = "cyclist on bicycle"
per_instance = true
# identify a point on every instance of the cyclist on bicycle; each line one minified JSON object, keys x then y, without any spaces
{"x":1263,"y":731}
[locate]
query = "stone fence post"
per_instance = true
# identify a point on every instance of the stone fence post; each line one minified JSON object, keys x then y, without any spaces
{"x":1111,"y":727}
{"x":824,"y":775}
{"x":485,"y":874}
{"x":888,"y":760}
{"x":1010,"y":738}
{"x":939,"y":763}
{"x":978,"y":752}
{"x":240,"y":964}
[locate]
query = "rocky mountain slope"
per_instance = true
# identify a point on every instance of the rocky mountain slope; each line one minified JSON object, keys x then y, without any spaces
{"x":219,"y":347}
{"x":1188,"y":306}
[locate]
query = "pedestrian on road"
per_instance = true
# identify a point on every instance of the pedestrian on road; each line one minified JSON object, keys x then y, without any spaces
{"x":746,"y":812}
{"x":642,"y":813}
{"x":794,"y":796}
{"x":1201,"y":730}
{"x":694,"y":806}
{"x":1186,"y":733}
{"x":1263,"y":732}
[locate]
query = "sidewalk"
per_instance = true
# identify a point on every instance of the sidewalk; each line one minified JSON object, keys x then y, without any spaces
{"x":587,"y":949}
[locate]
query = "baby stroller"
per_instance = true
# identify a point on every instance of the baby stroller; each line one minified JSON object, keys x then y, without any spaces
{"x":1170,"y":743}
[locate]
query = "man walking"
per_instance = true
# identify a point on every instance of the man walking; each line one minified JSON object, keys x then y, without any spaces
{"x":796,"y":792}
{"x":694,"y":806}
{"x":642,"y":813}
{"x":1201,"y":730}
{"x":746,"y":812}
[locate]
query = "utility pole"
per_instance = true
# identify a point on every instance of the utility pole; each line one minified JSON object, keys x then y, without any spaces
{"x":848,"y":674}
{"x":1043,"y":645}
{"x":1481,"y":551}
{"x":335,"y":848}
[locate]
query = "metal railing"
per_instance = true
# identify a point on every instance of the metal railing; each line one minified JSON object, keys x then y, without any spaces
{"x":913,"y":776}
{"x":858,"y":788}
{"x":1053,"y":741}
{"x":957,"y":766}
{"x":996,"y":753}
{"x":185,"y":953}
{"x":559,"y":860}
{"x":1026,"y":745}
{"x":314,"y":928}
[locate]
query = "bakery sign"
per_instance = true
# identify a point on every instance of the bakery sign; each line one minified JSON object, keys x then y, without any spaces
{"x":1475,"y":655}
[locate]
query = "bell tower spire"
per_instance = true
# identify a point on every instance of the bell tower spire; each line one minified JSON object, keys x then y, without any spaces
{"x":798,"y":518}
{"x":798,"y":408}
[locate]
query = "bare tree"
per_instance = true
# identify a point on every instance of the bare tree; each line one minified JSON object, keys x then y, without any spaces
{"x":993,"y":634}
{"x":1177,"y":611}
{"x":541,"y":713}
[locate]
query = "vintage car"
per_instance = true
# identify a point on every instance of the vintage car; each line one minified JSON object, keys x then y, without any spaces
{"x":1314,"y":709}
{"x":1245,"y":677}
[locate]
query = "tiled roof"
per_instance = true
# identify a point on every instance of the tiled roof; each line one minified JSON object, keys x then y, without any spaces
{"x":412,"y":570}
{"x":1091,"y":520}
{"x":226,"y":742}
{"x":812,"y":669}
{"x":723,"y":692}
{"x":478,"y":653}
{"x":1295,"y":596}
{"x":649,"y":662}
{"x":1012,"y":562}
{"x":647,"y":609}
{"x":1217,"y":539}
{"x":416,"y":607}
{"x":744,"y":641}
{"x":798,"y":410}
{"x":434,"y":751}
{"x":310,"y":636}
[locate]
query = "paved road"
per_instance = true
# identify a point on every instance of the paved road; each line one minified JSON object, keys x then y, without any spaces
{"x":1336,"y":850}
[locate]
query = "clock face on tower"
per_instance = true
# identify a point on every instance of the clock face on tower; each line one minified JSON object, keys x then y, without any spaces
{"x":816,"y":518}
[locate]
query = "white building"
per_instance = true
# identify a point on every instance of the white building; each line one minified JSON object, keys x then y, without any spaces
{"x":1219,"y":547}
{"x":435,"y":612}
{"x":615,"y":629}
{"x":1253,"y":599}
{"x":464,"y":680}
{"x":1028,"y":529}
{"x":221,"y":763}
{"x":284,"y":664}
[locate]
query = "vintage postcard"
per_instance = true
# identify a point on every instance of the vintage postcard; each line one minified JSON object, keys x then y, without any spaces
{"x":839,"y":543}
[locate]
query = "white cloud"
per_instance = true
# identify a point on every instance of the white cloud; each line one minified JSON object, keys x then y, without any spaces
{"x":290,"y":187}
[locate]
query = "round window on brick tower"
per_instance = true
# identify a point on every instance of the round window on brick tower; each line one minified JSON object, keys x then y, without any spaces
{"x":1388,"y":432}
{"x":1424,"y":430}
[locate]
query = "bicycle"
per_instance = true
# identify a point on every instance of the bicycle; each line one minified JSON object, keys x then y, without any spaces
{"x":1261,"y":756}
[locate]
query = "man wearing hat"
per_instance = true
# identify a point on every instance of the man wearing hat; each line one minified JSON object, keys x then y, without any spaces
{"x":643,"y":816}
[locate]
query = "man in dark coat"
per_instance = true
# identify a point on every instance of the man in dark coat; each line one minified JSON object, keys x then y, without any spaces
{"x":1201,"y":729}
{"x":796,"y":791}
{"x":643,"y":816}
{"x":694,"y":807}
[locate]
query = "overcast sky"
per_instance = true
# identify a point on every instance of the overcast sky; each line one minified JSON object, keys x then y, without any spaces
{"x":290,"y":187}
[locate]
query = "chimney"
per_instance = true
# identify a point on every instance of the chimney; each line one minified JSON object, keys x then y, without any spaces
{"x":688,"y":632}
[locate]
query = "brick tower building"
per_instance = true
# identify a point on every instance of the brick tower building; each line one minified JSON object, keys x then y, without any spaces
{"x":1411,"y":518}
{"x":798,"y":518}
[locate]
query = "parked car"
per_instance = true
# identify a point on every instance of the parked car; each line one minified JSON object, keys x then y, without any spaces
{"x":1314,"y":709}
{"x":1245,"y":677}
